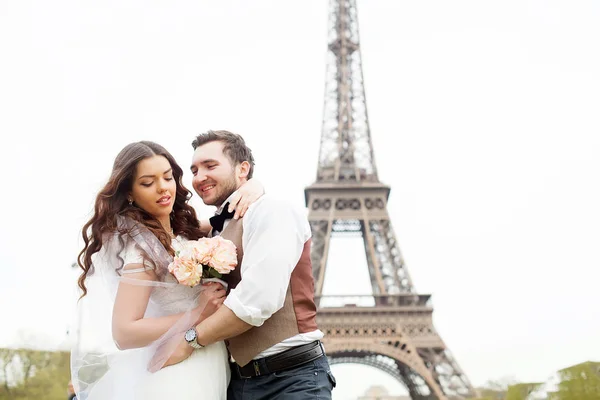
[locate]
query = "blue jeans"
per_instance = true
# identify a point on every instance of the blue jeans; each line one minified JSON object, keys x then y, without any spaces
{"x":312,"y":380}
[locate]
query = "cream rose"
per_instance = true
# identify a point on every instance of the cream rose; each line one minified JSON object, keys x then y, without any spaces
{"x":203,"y":249}
{"x":224,"y":257}
{"x":187,"y":271}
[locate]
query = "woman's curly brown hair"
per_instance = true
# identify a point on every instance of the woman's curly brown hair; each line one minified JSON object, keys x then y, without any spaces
{"x":112,"y":201}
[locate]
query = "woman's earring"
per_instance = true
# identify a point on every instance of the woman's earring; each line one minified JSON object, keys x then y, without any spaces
{"x":130,"y":202}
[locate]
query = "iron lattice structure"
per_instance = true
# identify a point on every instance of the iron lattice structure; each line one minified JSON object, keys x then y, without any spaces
{"x":394,"y":331}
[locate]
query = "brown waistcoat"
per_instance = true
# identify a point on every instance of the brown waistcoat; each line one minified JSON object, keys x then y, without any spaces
{"x":298,"y":314}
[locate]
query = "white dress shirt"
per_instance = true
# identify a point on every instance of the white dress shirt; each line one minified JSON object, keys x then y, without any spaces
{"x":273,"y":239}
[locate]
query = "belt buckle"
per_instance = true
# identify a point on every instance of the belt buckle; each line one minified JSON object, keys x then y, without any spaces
{"x":256,"y":368}
{"x":240,"y":373}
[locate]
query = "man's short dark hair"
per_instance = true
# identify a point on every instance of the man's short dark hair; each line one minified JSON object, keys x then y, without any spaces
{"x":234,"y":147}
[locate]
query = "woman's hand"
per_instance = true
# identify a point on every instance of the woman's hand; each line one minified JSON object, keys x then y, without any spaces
{"x":240,"y":200}
{"x":210,"y":299}
{"x":247,"y":194}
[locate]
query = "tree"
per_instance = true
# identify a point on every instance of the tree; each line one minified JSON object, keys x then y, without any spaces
{"x":521,"y":391}
{"x":506,"y":389}
{"x":579,"y":382}
{"x":495,"y":390}
{"x":33,"y":374}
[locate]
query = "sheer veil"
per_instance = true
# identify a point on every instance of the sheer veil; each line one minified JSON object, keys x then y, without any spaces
{"x":99,"y":370}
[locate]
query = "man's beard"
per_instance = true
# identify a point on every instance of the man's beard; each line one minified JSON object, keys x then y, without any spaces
{"x":227,"y":188}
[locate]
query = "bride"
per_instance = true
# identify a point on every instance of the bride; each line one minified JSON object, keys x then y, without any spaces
{"x":131,"y":305}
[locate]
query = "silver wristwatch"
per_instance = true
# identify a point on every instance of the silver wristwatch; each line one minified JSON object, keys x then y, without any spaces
{"x":190,"y":338}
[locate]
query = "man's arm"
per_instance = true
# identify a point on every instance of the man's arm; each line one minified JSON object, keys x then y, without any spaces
{"x":274,"y":237}
{"x":222,"y":325}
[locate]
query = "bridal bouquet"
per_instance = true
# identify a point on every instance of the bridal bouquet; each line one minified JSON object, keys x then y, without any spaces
{"x":204,"y":258}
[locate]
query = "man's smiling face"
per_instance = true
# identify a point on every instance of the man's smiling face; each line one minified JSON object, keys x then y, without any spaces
{"x":215,"y":178}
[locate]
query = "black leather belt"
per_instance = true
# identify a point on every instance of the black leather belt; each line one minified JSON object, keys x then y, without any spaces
{"x":287,"y":359}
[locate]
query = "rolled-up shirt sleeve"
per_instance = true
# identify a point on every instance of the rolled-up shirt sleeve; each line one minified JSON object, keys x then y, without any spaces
{"x":273,"y":240}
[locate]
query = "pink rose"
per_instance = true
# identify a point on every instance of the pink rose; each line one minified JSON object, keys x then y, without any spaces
{"x":203,"y":250}
{"x":224,"y":257}
{"x":187,"y":271}
{"x":186,"y":250}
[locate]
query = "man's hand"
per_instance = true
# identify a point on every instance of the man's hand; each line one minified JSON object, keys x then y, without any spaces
{"x":176,"y":349}
{"x":170,"y":353}
{"x":182,"y":352}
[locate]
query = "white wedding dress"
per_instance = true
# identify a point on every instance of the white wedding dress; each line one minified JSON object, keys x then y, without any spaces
{"x":205,"y":374}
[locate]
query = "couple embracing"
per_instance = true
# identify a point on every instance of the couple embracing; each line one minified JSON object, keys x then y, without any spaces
{"x":145,"y":335}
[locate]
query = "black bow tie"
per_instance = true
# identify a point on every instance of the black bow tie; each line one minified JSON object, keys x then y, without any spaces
{"x":218,"y":220}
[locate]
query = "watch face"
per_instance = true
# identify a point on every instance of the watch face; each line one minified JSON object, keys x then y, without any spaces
{"x":190,"y":335}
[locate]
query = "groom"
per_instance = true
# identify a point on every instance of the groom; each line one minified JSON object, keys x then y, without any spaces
{"x":268,"y":319}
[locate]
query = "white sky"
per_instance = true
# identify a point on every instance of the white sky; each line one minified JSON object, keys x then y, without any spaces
{"x":484,"y":118}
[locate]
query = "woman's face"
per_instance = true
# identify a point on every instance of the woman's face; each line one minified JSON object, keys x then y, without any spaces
{"x":154,"y":187}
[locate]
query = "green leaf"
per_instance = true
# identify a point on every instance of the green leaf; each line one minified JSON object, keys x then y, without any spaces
{"x":215,"y":273}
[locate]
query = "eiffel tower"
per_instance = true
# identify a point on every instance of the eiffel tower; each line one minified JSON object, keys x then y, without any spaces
{"x":394,"y":332}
